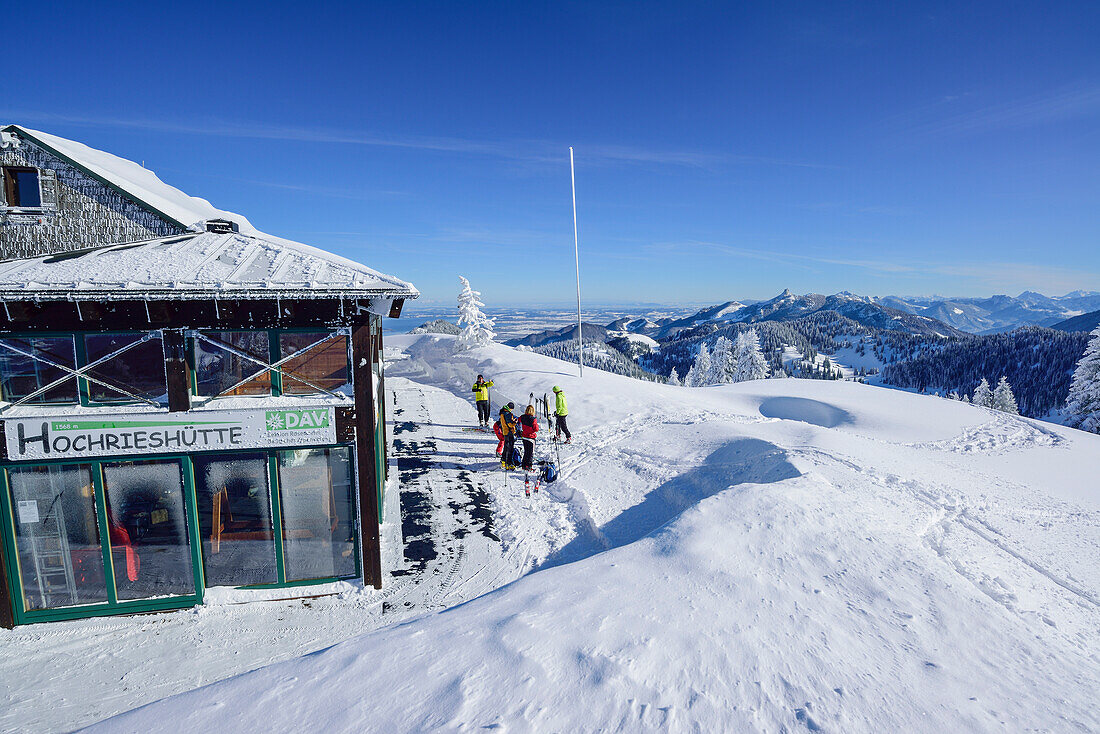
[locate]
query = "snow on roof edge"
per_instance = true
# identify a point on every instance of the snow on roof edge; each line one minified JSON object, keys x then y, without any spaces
{"x":135,"y":180}
{"x":190,"y":212}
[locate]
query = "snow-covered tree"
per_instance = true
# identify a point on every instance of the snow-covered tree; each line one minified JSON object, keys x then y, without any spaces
{"x":673,"y":378}
{"x":689,"y":377}
{"x":1003,"y":399}
{"x":750,"y":361}
{"x":478,"y":329}
{"x":703,"y":366}
{"x":722,"y":363}
{"x":983,"y":396}
{"x":1083,"y":401}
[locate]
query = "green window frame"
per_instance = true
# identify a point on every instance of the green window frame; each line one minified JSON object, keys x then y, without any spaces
{"x":114,"y":606}
{"x":274,"y":355}
{"x":76,"y":362}
{"x":84,"y":391}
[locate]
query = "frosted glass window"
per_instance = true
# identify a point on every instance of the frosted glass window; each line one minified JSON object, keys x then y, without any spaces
{"x":57,"y":536}
{"x":150,"y":549}
{"x":318,"y":506}
{"x":140,"y":370}
{"x":217,"y":369}
{"x":238,"y":542}
{"x":325,"y":365}
{"x":21,"y":375}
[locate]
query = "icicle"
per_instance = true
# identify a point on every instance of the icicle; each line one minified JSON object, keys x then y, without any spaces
{"x":6,"y":311}
{"x":278,"y":306}
{"x":147,"y":314}
{"x":79,"y":315}
{"x":217,"y":312}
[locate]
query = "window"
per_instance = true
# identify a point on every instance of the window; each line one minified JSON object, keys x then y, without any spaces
{"x":22,"y":375}
{"x":217,"y":369}
{"x":318,"y":508}
{"x":139,"y":370}
{"x":238,"y":540}
{"x":325,"y":365}
{"x":21,"y":187}
{"x":57,"y":536}
{"x":150,"y":549}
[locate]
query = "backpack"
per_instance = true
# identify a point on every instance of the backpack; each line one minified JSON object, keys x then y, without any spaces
{"x":549,"y":472}
{"x":517,"y":456}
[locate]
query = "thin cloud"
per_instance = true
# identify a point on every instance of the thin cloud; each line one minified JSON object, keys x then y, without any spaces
{"x":1058,"y":105}
{"x":1004,"y":277}
{"x":519,"y":150}
{"x":529,"y":151}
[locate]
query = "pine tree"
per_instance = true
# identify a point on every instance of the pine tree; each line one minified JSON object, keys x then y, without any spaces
{"x":673,"y":378}
{"x":750,"y":362}
{"x":478,"y":331}
{"x":689,"y":377}
{"x":1083,"y":401}
{"x":983,"y":396}
{"x":723,"y":364}
{"x":703,"y":367}
{"x":1003,"y":399}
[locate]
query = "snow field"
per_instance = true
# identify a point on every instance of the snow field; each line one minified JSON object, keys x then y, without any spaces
{"x":919,"y":564}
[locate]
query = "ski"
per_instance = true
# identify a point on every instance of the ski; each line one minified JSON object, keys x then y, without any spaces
{"x":527,"y":484}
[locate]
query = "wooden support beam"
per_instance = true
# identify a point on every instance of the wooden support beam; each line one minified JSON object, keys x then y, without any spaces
{"x":382,"y":409}
{"x":366,"y":453}
{"x":175,"y":370}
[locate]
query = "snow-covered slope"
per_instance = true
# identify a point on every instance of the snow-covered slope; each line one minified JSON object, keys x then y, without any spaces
{"x":767,"y":556}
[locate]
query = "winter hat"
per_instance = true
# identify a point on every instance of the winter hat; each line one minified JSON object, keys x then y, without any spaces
{"x":511,"y":406}
{"x":557,"y":389}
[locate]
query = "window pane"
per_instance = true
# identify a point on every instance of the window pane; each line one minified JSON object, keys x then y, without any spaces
{"x":20,"y":375}
{"x":139,"y":370}
{"x":326,"y":365}
{"x":149,"y":545}
{"x":318,"y":507}
{"x":57,"y":537}
{"x":238,"y":542}
{"x":26,"y":188}
{"x":217,"y":369}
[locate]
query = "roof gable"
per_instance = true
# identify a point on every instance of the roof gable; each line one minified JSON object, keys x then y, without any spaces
{"x":132,"y":180}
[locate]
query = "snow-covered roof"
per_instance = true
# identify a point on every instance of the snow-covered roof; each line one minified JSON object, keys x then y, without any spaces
{"x":134,"y":180}
{"x":195,"y":265}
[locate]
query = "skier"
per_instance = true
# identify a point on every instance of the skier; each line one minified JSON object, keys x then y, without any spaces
{"x":481,"y":395}
{"x":561,"y":410}
{"x":528,"y":431}
{"x":507,"y":444}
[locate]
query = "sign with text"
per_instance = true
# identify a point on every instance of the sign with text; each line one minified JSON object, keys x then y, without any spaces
{"x":95,"y":435}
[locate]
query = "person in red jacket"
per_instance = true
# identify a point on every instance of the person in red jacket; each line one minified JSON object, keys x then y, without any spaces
{"x":528,"y":431}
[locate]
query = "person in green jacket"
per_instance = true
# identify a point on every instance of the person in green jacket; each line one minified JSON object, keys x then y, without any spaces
{"x":560,"y":411}
{"x":481,"y":395}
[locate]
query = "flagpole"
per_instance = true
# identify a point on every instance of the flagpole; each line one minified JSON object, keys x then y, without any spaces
{"x":577,"y":256}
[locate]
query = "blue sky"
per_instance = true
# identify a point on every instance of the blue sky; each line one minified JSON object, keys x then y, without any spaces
{"x":724,"y":150}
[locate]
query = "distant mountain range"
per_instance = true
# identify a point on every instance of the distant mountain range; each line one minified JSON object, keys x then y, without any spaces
{"x":923,"y":316}
{"x":920,"y":316}
{"x":1084,"y":322}
{"x":998,"y":313}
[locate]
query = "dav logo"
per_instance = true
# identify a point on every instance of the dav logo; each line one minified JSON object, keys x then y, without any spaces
{"x":290,"y":420}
